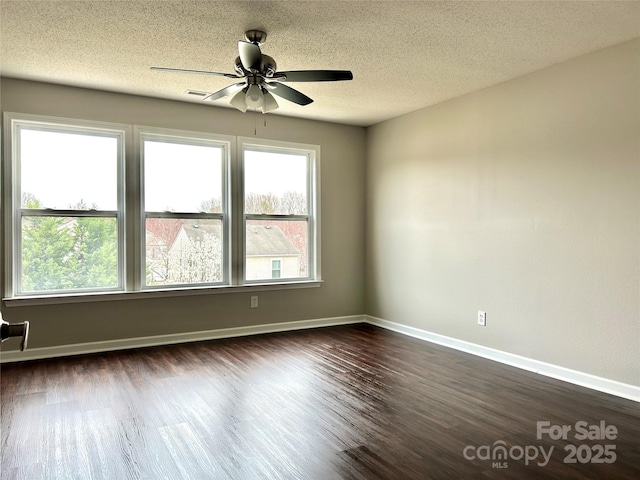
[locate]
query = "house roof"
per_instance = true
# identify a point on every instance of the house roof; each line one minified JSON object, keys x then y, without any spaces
{"x":261,"y":240}
{"x":268,"y":240}
{"x":404,"y":55}
{"x":197,"y":231}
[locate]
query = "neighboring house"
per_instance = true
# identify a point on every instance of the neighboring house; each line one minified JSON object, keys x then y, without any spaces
{"x":156,"y":258}
{"x":270,"y":254}
{"x":160,"y":235}
{"x":196,"y":254}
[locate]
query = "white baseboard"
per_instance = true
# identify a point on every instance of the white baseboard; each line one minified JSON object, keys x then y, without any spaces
{"x":593,"y":382}
{"x":587,"y":380}
{"x":124,"y":344}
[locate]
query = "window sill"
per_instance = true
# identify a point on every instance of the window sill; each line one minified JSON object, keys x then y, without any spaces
{"x":164,"y":293}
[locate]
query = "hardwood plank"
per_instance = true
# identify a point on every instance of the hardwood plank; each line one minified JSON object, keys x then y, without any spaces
{"x":352,"y":402}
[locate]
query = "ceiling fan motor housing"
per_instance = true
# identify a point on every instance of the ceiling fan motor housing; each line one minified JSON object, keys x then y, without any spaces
{"x":255,"y":36}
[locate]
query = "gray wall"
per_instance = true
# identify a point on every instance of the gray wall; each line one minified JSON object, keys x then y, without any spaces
{"x":522,"y":200}
{"x":342,"y":216}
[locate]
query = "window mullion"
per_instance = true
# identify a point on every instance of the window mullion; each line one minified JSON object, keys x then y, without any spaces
{"x":236,"y":197}
{"x":133,"y":219}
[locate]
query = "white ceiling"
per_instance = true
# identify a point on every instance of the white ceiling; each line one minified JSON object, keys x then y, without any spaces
{"x":405,"y":55}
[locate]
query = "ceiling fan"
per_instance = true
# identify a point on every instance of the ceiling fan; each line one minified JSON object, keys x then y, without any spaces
{"x":260,"y":78}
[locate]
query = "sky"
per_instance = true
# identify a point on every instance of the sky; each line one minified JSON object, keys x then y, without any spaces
{"x":60,"y":176}
{"x":60,"y":169}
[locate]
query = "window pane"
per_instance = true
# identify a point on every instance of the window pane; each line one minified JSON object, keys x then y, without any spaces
{"x":69,"y":253}
{"x":276,"y":268}
{"x":276,"y":243}
{"x":275,"y":183}
{"x":68,"y":170}
{"x":182,"y":178}
{"x":181,"y":251}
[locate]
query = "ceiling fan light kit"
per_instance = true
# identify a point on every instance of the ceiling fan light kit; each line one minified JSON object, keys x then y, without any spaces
{"x":260,"y":79}
{"x":239,"y":102}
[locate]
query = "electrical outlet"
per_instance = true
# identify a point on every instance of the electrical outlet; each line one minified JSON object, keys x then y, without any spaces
{"x":254,"y":302}
{"x":482,"y":318}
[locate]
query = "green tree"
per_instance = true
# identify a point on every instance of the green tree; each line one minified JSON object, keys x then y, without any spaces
{"x":95,"y":252}
{"x":46,"y":246}
{"x":61,"y":253}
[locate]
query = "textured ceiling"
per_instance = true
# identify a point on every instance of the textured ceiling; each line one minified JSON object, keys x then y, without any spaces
{"x":404,"y":55}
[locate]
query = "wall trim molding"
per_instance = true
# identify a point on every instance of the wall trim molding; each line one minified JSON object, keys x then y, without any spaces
{"x":575,"y":377}
{"x":156,"y":340}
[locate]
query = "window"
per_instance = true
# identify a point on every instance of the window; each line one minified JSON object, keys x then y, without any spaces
{"x":67,"y":221}
{"x":184,"y":184}
{"x":279,"y":212}
{"x":203,"y":211}
{"x":276,"y":268}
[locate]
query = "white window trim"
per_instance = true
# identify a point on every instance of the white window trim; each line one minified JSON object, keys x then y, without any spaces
{"x":131,"y":216}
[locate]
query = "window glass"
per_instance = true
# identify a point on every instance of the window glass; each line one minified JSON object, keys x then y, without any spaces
{"x":68,"y":253}
{"x":182,"y":251}
{"x":67,"y":212}
{"x":272,"y":241}
{"x":182,"y":177}
{"x":184,"y":212}
{"x":276,"y":266}
{"x":62,"y":170}
{"x":275,"y":183}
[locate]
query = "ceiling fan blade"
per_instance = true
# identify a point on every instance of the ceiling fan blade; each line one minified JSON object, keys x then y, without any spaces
{"x":225,"y":91}
{"x":204,"y":72}
{"x":250,"y":55}
{"x":316,"y":75}
{"x":289,"y":93}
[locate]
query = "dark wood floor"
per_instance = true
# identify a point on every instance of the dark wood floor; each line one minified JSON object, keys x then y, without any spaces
{"x":354,"y":402}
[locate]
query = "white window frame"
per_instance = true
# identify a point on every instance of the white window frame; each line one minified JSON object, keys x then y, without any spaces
{"x":312,"y":152}
{"x":12,"y":197}
{"x":186,"y":138}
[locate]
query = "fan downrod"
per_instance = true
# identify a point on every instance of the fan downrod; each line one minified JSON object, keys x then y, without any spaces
{"x":256,"y":36}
